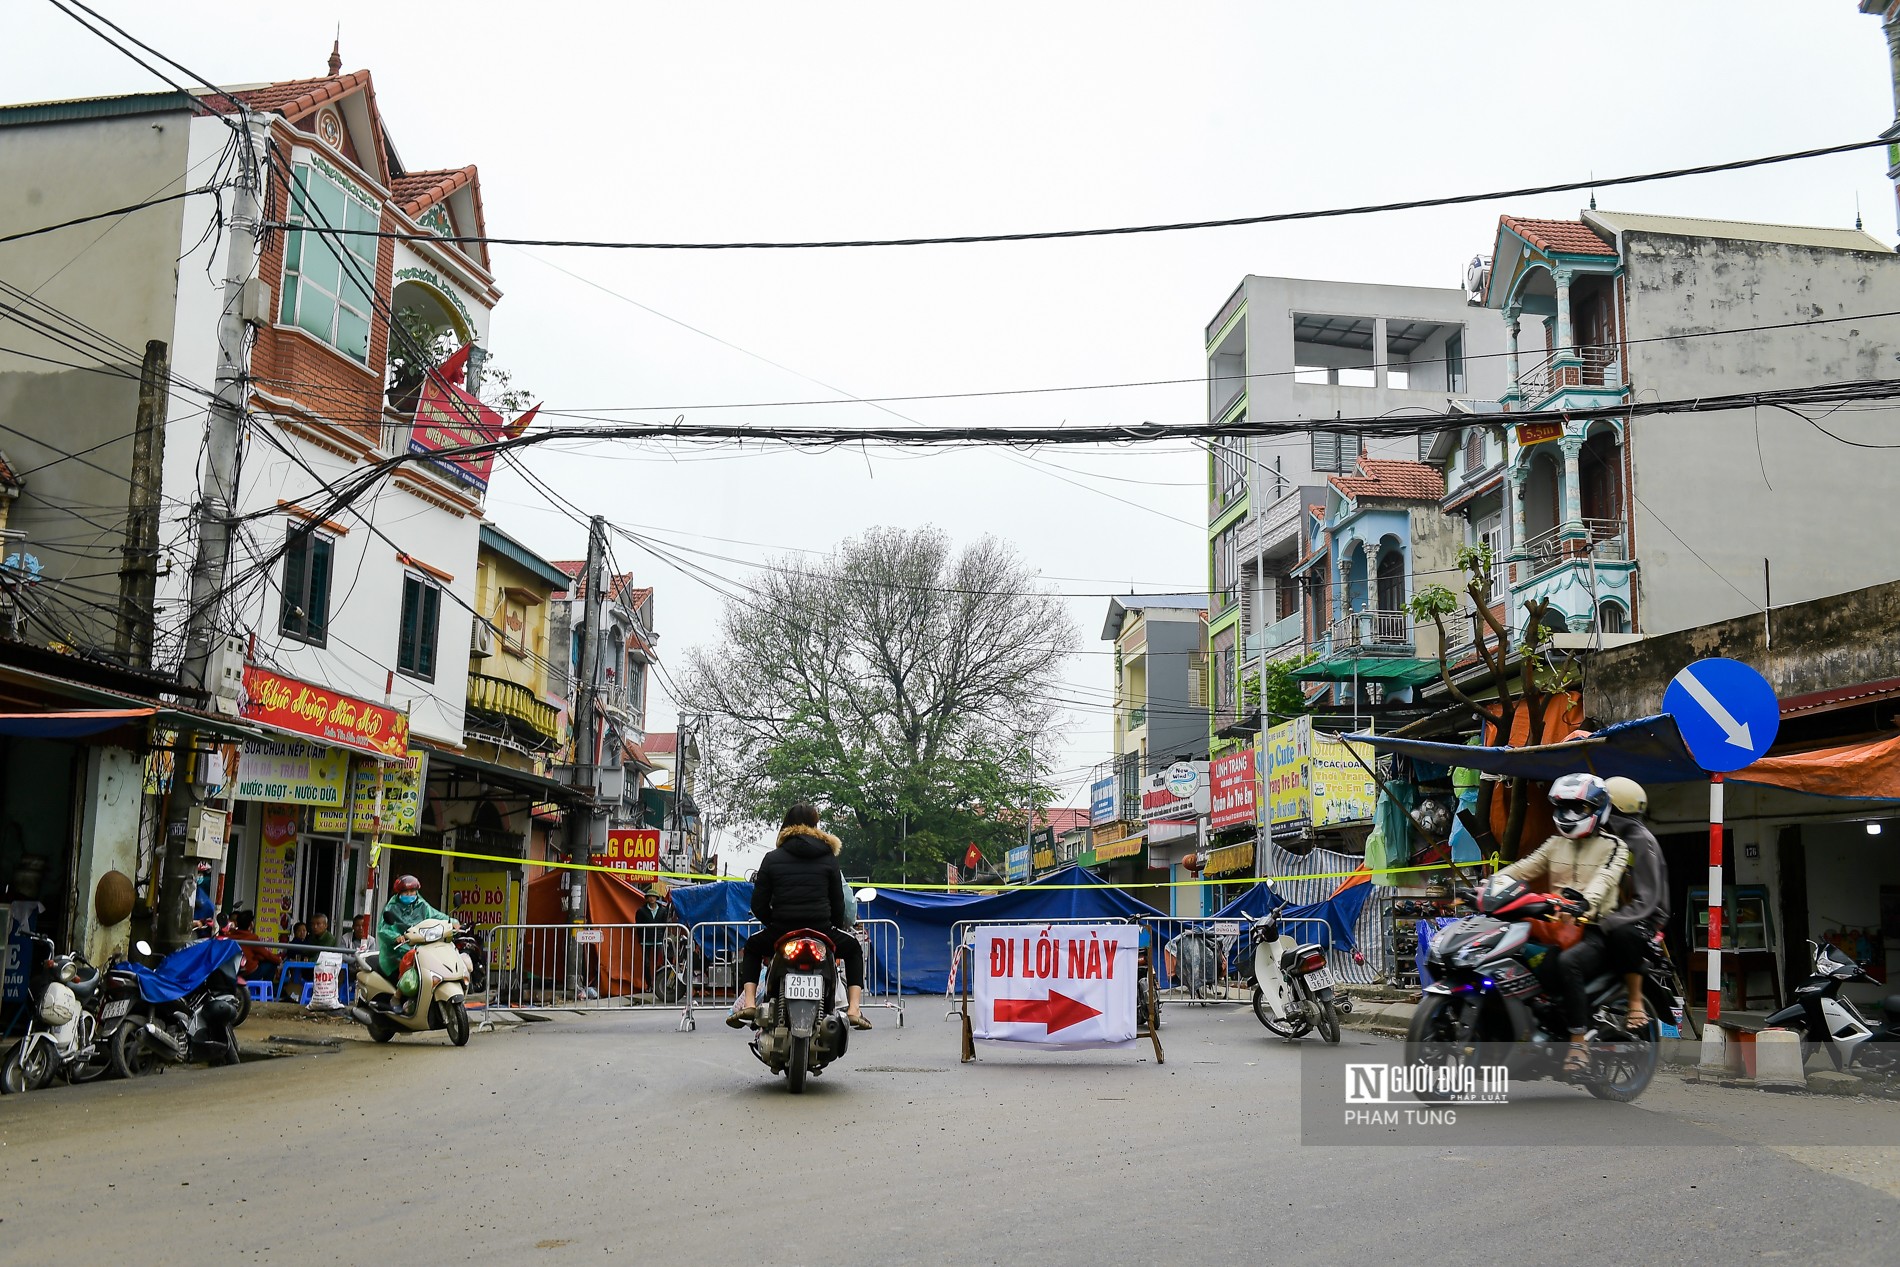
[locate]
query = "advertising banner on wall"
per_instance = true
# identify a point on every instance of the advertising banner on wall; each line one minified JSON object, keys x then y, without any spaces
{"x":292,"y":773}
{"x":1342,"y":790}
{"x":1286,"y":762}
{"x":1104,"y":804}
{"x":276,"y":873}
{"x":319,"y":713}
{"x":1178,"y":792}
{"x":634,"y":849}
{"x":403,"y":782}
{"x":1231,"y":794}
{"x":447,"y":418}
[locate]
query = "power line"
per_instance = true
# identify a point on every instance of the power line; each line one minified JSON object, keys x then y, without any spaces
{"x":107,"y":215}
{"x":1043,"y":235}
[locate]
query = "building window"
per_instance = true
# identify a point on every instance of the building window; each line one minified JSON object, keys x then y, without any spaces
{"x":1333,"y":451}
{"x":1230,"y":468}
{"x":1611,"y":618}
{"x":415,"y":639}
{"x":1491,"y":537}
{"x":324,"y":277}
{"x":1227,"y":568}
{"x":1455,"y":362}
{"x":1474,"y":449}
{"x":305,"y":614}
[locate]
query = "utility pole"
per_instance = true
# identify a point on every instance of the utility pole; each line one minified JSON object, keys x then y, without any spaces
{"x":224,"y":424}
{"x":138,"y":573}
{"x":679,"y":782}
{"x":584,"y":844}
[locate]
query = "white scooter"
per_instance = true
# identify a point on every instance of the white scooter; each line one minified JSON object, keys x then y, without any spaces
{"x":442,"y":967}
{"x":1293,"y":986}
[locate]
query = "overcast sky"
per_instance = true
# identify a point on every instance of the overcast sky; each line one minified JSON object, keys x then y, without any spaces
{"x":670,"y":121}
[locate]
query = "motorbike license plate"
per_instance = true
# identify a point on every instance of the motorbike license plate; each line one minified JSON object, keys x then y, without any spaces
{"x":1321,"y":980}
{"x":804,"y":986}
{"x":117,"y":1008}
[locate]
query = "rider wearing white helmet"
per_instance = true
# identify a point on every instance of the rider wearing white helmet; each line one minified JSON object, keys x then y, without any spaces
{"x":1584,"y":857}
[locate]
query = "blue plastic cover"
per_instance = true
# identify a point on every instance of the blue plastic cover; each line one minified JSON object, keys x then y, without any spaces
{"x":183,"y":971}
{"x":1649,"y":750}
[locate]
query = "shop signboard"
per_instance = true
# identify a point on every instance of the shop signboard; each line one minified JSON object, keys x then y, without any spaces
{"x":1104,"y":804}
{"x":290,"y":772}
{"x":1231,"y":795}
{"x":1288,"y":760}
{"x":1342,"y":790}
{"x":403,"y":782}
{"x":1180,"y":791}
{"x":1016,"y":863}
{"x":484,"y":899}
{"x":1064,"y":986}
{"x":276,"y":873}
{"x":326,"y":716}
{"x":633,"y":849}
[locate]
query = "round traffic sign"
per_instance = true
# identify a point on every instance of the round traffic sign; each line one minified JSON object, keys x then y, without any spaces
{"x":1727,"y":713}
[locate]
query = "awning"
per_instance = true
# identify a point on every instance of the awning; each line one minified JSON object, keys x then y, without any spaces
{"x":538,"y":786}
{"x":70,"y":725}
{"x":1231,"y":859}
{"x":1650,"y":750}
{"x":1396,"y":669}
{"x":1119,"y":849}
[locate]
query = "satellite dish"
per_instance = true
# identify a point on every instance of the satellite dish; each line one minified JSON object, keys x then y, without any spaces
{"x":1477,"y":279}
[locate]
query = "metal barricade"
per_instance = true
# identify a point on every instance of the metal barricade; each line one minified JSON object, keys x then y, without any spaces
{"x":961,"y":984}
{"x":719,"y":947}
{"x":1207,"y":960}
{"x":593,"y":967}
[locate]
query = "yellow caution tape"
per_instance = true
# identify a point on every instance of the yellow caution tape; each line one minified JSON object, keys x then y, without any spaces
{"x":974,"y":888}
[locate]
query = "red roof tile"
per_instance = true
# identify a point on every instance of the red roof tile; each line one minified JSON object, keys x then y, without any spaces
{"x":634,"y":753}
{"x":1391,"y":477}
{"x":1063,"y":820}
{"x":416,"y":192}
{"x":621,"y":591}
{"x":661,"y":743}
{"x":1562,"y":237}
{"x":291,"y":97}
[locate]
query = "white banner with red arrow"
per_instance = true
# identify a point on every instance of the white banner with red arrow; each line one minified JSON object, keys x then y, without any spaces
{"x":1068,"y":986}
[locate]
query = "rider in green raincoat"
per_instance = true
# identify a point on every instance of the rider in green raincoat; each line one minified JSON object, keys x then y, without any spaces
{"x":404,"y":910}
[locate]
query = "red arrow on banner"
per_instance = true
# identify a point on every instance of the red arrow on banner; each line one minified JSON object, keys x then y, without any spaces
{"x":1058,"y":1011}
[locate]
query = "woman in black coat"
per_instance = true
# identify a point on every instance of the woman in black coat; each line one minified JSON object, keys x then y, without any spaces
{"x":801,"y":885}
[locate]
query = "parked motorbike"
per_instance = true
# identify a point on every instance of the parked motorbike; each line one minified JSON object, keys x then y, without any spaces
{"x":1485,"y":991}
{"x":1293,"y":990}
{"x":429,"y":990}
{"x":799,"y":1027}
{"x":187,"y":1011}
{"x":62,"y":1029}
{"x":1826,"y":1019}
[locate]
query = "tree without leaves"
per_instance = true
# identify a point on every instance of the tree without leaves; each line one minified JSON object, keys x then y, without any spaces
{"x":899,"y":684}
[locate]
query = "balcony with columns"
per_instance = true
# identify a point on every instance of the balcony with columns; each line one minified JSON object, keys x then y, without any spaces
{"x":1570,"y":523}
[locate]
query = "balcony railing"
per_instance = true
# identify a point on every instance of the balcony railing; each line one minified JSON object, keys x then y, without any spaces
{"x":1370,"y":630}
{"x":1578,"y":367}
{"x":1605,"y":540}
{"x":498,"y":697}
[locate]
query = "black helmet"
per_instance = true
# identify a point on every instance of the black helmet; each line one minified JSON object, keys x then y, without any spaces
{"x":1578,"y":804}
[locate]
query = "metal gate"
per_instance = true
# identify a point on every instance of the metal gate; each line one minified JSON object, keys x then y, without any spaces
{"x":718,"y":947}
{"x":592,"y":967}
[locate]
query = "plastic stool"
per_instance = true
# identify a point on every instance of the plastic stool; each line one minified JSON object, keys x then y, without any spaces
{"x":262,"y":991}
{"x":309,"y":988}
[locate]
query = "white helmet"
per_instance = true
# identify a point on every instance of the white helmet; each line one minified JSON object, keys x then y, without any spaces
{"x":1627,"y":795}
{"x":1578,"y":804}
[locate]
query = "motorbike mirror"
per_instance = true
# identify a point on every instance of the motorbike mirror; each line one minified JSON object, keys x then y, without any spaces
{"x":142,"y":946}
{"x":867,"y":894}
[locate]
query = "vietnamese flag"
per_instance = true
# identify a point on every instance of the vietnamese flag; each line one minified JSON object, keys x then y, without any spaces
{"x":972,"y":857}
{"x":520,"y":425}
{"x":453,"y":369}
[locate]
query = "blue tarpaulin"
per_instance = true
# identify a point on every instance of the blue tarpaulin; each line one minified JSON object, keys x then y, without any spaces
{"x":183,"y":971}
{"x":1649,"y":750}
{"x":1340,"y":912}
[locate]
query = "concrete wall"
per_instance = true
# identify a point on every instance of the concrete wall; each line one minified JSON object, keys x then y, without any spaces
{"x":1815,"y":646}
{"x":108,"y":841}
{"x":1436,"y":538}
{"x":1176,"y":726}
{"x":117,"y":276}
{"x":1741,"y":487}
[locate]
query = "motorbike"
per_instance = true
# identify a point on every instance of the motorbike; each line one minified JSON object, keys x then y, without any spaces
{"x":1826,"y":1019}
{"x":188,"y":1010}
{"x":1485,"y":991}
{"x":62,"y":1029}
{"x":1293,"y":991}
{"x":430,"y":989}
{"x":799,"y":1027}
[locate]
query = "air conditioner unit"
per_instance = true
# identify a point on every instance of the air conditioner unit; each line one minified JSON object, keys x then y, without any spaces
{"x":204,"y":833}
{"x":481,"y":638}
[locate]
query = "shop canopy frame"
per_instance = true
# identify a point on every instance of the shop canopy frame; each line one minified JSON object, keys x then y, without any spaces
{"x":1397,"y":670}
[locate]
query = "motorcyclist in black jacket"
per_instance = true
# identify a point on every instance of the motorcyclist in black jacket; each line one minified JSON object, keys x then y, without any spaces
{"x":1645,"y":906}
{"x":801,"y":885}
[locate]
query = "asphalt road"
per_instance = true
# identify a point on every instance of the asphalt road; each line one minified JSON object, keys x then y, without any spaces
{"x":614,"y":1135}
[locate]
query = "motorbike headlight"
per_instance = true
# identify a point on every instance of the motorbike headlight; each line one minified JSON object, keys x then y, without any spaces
{"x":69,"y":972}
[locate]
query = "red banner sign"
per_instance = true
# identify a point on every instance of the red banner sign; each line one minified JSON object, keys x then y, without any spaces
{"x":448,"y":417}
{"x":1232,"y":780}
{"x":1529,"y":433}
{"x":323,"y":714}
{"x":634,"y":849}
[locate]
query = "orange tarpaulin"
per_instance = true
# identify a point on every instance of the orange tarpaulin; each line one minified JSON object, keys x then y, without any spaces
{"x":1857,"y":770}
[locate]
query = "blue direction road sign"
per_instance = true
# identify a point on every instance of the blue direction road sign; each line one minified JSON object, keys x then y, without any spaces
{"x":1726,"y":711}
